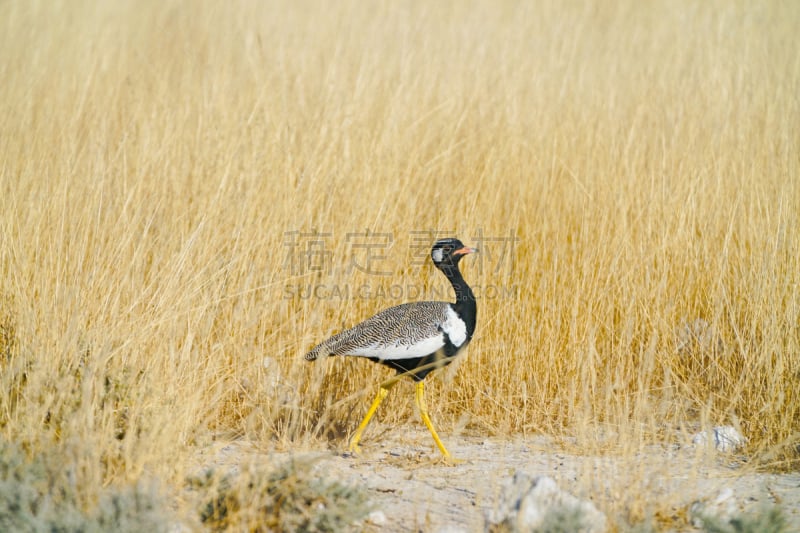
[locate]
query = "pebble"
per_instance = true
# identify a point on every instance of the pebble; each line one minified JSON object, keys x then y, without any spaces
{"x":377,"y":517}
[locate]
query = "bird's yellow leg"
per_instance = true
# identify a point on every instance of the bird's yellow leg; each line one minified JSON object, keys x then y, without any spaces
{"x":382,"y":393}
{"x":423,"y":409}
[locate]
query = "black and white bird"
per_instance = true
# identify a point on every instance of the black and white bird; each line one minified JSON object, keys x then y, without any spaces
{"x":413,"y":338}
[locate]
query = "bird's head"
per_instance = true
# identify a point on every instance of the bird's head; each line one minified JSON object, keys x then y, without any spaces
{"x":446,"y":253}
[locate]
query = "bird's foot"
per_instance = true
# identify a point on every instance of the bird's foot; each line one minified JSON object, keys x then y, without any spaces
{"x":449,"y":460}
{"x":354,"y":450}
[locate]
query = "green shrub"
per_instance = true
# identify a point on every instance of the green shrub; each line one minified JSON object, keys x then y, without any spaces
{"x":289,"y":497}
{"x":768,"y":519}
{"x":41,"y":494}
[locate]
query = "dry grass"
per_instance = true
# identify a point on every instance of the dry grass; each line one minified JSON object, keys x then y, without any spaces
{"x":154,"y":158}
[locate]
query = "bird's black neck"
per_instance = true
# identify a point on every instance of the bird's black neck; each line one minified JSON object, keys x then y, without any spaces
{"x":465,"y":304}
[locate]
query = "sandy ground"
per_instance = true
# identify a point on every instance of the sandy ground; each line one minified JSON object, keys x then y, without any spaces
{"x":415,"y":491}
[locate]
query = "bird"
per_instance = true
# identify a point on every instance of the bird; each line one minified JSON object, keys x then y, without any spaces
{"x":413,"y":338}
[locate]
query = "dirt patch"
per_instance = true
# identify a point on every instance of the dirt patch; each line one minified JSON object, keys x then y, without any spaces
{"x":415,"y":491}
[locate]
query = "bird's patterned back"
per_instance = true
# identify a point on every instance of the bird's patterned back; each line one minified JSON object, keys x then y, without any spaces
{"x":403,"y":325}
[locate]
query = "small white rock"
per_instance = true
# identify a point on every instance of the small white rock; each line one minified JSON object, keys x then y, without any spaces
{"x":527,"y":501}
{"x":725,"y":495}
{"x":725,"y":439}
{"x":376,"y":517}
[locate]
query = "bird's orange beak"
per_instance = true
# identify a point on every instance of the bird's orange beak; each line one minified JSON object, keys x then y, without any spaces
{"x":465,"y":250}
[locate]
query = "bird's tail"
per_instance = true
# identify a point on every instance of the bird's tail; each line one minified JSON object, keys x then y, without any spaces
{"x":315,"y":352}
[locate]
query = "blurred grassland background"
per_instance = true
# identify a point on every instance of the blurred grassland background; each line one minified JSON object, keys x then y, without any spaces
{"x":155,"y":158}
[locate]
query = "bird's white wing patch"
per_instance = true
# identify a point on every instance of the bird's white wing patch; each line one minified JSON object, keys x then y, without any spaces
{"x":399,"y":350}
{"x":454,"y":327}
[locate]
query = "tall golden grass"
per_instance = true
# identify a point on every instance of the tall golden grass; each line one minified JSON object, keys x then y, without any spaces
{"x":632,"y":168}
